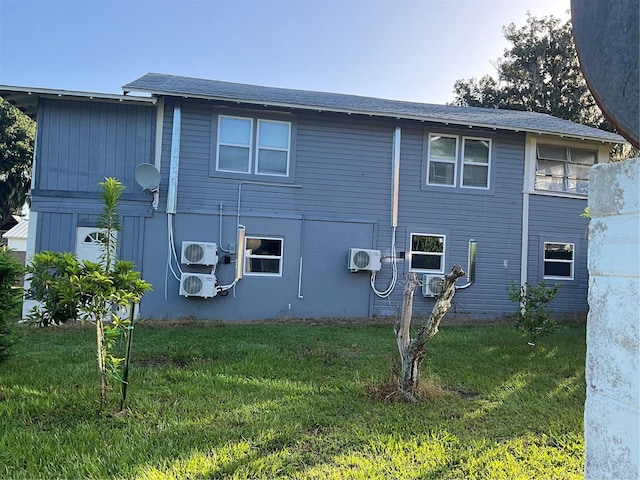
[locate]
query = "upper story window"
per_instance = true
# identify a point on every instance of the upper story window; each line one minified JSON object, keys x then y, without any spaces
{"x":563,"y":169}
{"x":448,"y":154}
{"x":247,"y":146}
{"x":427,"y":252}
{"x":558,"y":260}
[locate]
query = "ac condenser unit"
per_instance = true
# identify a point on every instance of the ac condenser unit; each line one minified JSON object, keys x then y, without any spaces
{"x":364,"y":259}
{"x":198,"y":285}
{"x":432,"y":285}
{"x":199,"y":253}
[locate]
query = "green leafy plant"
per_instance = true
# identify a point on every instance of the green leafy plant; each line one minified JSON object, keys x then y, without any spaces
{"x":533,"y":318}
{"x":50,"y":275}
{"x":10,"y":300}
{"x":99,"y":293}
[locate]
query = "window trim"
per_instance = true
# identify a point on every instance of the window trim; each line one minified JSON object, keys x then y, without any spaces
{"x":566,"y":163}
{"x":248,"y":256}
{"x":572,"y":262}
{"x":219,"y":143}
{"x":254,"y":147}
{"x":454,"y":162}
{"x":459,"y":163}
{"x":463,"y":163}
{"x":531,"y":143}
{"x":275,"y":149}
{"x":442,"y":255}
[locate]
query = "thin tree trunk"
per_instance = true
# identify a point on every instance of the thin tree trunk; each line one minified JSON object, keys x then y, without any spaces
{"x":413,"y":351}
{"x":101,"y":362}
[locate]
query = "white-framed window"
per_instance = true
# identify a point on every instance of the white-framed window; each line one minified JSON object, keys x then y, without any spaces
{"x":263,"y":256}
{"x":476,"y":155}
{"x":558,"y":260}
{"x":427,"y":252}
{"x":441,"y":160}
{"x":448,"y":154}
{"x":246,"y":146}
{"x":563,"y":169}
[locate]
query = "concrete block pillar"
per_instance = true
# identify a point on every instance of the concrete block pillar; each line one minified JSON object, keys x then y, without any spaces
{"x":612,"y":409}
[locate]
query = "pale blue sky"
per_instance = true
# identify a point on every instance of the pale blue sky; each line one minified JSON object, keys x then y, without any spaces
{"x":407,"y":50}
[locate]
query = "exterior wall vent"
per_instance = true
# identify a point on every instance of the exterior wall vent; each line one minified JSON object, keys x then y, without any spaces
{"x":364,"y":259}
{"x":199,"y":253}
{"x":198,"y":285}
{"x":432,"y":285}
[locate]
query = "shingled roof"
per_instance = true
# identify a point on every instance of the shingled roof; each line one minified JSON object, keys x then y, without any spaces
{"x":514,"y":120}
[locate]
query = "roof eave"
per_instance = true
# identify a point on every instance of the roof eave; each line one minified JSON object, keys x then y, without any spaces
{"x":347,"y":111}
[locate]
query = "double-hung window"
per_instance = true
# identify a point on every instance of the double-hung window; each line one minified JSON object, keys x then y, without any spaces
{"x":249,"y":146}
{"x":263,"y":256}
{"x":448,"y":154}
{"x":427,"y":252}
{"x":563,"y":169}
{"x":558,"y":260}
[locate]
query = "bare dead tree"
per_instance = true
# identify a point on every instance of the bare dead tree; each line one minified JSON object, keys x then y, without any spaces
{"x":413,"y":351}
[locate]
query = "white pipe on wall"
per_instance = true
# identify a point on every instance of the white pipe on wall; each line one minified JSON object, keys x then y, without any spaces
{"x":172,"y":196}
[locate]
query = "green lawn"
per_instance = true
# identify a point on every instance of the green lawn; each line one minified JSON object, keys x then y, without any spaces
{"x":213,"y":400}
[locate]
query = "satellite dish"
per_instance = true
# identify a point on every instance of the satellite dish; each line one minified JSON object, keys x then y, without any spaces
{"x":148,"y":177}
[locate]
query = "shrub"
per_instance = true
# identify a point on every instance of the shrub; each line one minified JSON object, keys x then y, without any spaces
{"x":10,"y":300}
{"x":533,"y":317}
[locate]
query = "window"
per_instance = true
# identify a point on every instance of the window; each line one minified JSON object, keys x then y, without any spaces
{"x":475,"y":163}
{"x":558,"y":260}
{"x":443,"y":152}
{"x":444,"y":159}
{"x":263,"y":256}
{"x":236,"y":146}
{"x":427,"y":252}
{"x":563,"y":169}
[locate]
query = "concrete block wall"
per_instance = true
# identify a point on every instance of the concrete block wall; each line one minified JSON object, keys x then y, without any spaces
{"x":612,"y":409}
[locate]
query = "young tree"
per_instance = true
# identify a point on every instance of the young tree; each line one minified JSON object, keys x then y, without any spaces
{"x":94,"y":292}
{"x":540,"y":72}
{"x":413,"y":350}
{"x":17,"y":136}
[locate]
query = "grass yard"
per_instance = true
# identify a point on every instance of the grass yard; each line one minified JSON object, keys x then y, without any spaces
{"x":214,"y":400}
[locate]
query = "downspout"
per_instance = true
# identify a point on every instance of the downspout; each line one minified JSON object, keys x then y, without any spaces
{"x":529,"y":150}
{"x":172,"y":195}
{"x":395,"y":193}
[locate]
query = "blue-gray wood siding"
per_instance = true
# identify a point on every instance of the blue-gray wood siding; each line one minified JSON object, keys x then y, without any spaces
{"x":556,"y":219}
{"x":338,"y":196}
{"x":82,"y":142}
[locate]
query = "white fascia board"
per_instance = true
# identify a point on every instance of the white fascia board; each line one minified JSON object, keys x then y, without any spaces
{"x":397,"y":116}
{"x":50,"y":92}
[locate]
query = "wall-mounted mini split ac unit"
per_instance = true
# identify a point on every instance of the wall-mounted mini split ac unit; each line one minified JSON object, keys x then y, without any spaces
{"x":364,"y":259}
{"x":198,"y":285}
{"x":199,"y":253}
{"x":432,"y":285}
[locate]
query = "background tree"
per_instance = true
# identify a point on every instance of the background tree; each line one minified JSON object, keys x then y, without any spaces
{"x":540,"y":72}
{"x":17,"y":136}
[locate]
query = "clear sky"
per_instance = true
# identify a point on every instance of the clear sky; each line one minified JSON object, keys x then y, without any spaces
{"x":406,"y":50}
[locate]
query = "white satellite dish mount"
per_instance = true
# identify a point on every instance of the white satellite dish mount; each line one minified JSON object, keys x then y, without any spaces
{"x":148,"y":177}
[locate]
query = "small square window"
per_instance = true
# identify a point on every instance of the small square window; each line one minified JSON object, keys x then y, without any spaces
{"x":263,"y":256}
{"x":558,"y":260}
{"x":427,"y":253}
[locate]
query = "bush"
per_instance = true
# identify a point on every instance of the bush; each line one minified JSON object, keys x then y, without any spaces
{"x":10,"y":300}
{"x":534,"y":317}
{"x":50,"y":275}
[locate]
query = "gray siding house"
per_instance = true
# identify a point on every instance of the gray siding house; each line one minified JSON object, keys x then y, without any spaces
{"x":258,"y":202}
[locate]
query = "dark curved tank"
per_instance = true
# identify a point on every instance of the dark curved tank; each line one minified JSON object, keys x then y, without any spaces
{"x":606,"y":38}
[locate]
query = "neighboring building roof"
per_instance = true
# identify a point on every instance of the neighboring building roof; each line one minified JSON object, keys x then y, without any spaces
{"x":18,"y":231}
{"x":26,"y":98}
{"x":514,"y":120}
